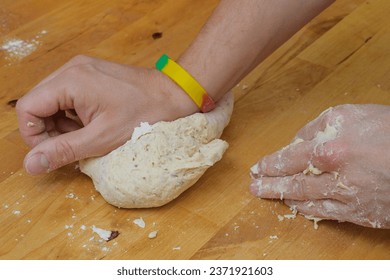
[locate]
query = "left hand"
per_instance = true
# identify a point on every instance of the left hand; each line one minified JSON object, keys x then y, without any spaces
{"x":337,"y":167}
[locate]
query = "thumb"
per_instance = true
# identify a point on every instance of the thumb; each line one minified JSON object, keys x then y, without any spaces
{"x":55,"y":152}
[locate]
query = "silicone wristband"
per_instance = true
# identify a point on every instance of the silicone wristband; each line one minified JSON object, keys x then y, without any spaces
{"x":181,"y":77}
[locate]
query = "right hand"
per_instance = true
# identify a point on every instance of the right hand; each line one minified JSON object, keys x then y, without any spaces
{"x":350,"y":149}
{"x":109,"y":99}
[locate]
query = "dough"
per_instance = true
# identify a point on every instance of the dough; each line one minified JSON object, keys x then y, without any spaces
{"x":162,"y":160}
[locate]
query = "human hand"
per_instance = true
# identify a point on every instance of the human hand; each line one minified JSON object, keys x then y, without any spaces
{"x":109,"y":99}
{"x":337,"y":167}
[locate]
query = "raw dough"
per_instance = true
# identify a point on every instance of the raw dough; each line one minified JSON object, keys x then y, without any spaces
{"x":161,"y":160}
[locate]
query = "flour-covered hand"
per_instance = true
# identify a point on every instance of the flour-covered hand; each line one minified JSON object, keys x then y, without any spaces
{"x":337,"y":167}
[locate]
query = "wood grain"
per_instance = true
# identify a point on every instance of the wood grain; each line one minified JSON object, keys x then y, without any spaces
{"x":342,"y":56}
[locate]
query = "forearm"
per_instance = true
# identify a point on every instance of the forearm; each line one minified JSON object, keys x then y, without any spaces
{"x":239,"y":35}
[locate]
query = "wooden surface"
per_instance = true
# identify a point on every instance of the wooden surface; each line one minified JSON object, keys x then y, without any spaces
{"x":340,"y":57}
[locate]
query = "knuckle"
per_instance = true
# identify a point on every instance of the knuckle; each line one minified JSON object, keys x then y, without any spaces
{"x":80,"y":59}
{"x":298,"y":186}
{"x":334,"y":115}
{"x":79,"y":72}
{"x":331,"y":154}
{"x":20,"y":106}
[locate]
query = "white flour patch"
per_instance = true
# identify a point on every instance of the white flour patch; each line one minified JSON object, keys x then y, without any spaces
{"x":16,"y":49}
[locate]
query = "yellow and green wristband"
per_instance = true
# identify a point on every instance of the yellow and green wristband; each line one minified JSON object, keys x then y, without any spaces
{"x":181,"y":77}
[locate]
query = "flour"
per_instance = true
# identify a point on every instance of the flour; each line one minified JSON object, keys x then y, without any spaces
{"x":329,"y":133}
{"x":17,"y":49}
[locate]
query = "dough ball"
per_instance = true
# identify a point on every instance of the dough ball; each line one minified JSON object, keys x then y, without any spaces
{"x":162,"y":160}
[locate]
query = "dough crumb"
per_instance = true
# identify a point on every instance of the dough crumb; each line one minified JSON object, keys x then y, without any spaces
{"x":314,"y":219}
{"x":312,"y":170}
{"x":139,"y":222}
{"x":71,"y":196}
{"x":297,"y":141}
{"x":375,"y":224}
{"x":311,"y":204}
{"x":294,"y":212}
{"x":342,"y":186}
{"x":30,"y":124}
{"x":105,"y":234}
{"x":177,"y":248}
{"x":114,"y":234}
{"x":152,"y":234}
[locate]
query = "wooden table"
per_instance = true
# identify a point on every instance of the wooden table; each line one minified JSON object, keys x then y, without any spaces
{"x":342,"y":56}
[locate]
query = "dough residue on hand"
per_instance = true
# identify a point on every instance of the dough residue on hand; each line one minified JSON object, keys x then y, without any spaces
{"x":162,"y":160}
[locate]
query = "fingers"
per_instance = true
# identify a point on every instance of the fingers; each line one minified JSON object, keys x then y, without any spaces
{"x":330,"y":209}
{"x":302,"y":187}
{"x":310,"y":130}
{"x":324,"y":209}
{"x":33,"y":109}
{"x":303,"y":157}
{"x":41,"y":111}
{"x":55,"y":152}
{"x":46,"y":100}
{"x":314,"y":149}
{"x":290,"y":160}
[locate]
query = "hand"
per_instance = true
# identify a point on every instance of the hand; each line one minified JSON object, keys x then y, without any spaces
{"x":109,"y":99}
{"x":337,"y":167}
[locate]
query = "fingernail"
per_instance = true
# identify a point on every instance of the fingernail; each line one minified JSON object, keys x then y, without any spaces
{"x":36,"y":164}
{"x":254,"y":171}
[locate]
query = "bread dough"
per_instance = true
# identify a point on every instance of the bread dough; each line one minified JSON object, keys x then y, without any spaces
{"x":162,"y":160}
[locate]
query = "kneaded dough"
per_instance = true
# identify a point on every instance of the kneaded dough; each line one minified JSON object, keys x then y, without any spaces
{"x":162,"y":160}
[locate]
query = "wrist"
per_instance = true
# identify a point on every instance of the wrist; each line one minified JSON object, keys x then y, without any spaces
{"x":178,"y":102}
